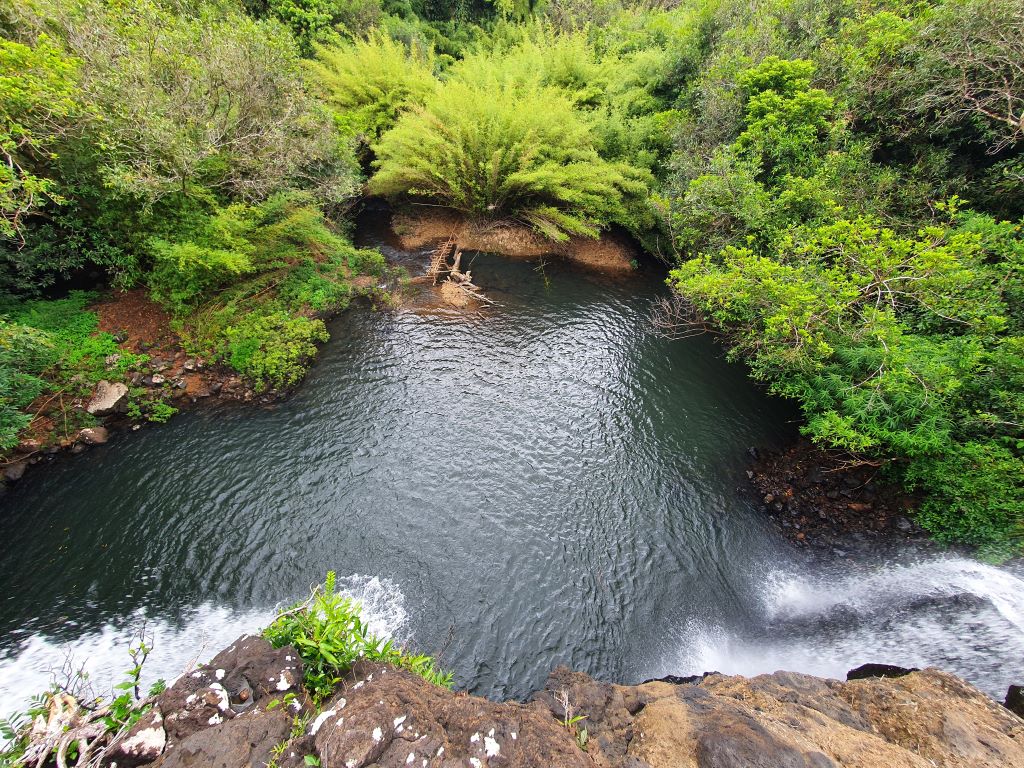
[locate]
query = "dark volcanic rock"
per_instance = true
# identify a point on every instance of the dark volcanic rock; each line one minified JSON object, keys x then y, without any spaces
{"x":864,"y":671}
{"x":240,"y":681}
{"x":245,"y":742}
{"x":383,"y":717}
{"x":390,"y":718}
{"x":1015,"y":700}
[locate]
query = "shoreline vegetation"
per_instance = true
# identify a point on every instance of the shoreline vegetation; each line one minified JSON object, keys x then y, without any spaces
{"x":837,"y":188}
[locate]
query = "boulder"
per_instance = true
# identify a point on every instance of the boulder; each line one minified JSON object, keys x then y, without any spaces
{"x":788,"y":720}
{"x":247,"y":741}
{"x":240,"y":681}
{"x":1015,"y":700}
{"x":94,"y":435}
{"x":109,"y":398}
{"x":864,"y":671}
{"x":389,"y":718}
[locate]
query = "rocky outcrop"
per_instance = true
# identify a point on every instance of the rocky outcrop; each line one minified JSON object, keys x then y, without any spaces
{"x":108,"y":399}
{"x":221,"y":714}
{"x":245,"y":709}
{"x":389,"y":718}
{"x":787,"y":720}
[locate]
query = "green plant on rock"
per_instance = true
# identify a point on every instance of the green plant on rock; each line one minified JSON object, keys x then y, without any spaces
{"x":330,"y":635}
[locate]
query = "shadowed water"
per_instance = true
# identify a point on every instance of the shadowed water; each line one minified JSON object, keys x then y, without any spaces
{"x":545,"y":482}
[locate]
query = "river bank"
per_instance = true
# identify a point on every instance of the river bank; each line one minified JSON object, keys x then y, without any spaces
{"x":833,"y":505}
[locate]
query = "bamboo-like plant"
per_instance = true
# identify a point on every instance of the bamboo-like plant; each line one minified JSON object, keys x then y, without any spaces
{"x":372,"y":80}
{"x":506,"y":149}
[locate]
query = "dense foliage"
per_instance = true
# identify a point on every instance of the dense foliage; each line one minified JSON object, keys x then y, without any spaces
{"x":838,"y":185}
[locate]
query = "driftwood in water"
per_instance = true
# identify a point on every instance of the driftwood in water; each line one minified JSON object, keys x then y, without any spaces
{"x":463,"y":281}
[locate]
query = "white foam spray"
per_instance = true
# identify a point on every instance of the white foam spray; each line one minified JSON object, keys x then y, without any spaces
{"x":177,"y":647}
{"x":953,"y":613}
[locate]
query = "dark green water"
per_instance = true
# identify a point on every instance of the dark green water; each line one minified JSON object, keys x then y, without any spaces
{"x":545,"y":482}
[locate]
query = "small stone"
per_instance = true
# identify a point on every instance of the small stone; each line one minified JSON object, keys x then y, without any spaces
{"x":15,"y":470}
{"x":28,"y":446}
{"x":77,"y":448}
{"x":94,"y":435}
{"x":904,"y":524}
{"x":750,"y":474}
{"x":769,"y":498}
{"x":111,"y":360}
{"x":157,"y":379}
{"x":190,"y":365}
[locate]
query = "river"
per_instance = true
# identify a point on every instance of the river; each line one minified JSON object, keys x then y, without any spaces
{"x":543,"y":482}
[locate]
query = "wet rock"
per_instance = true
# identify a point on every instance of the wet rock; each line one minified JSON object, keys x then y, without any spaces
{"x":94,"y":435}
{"x":15,"y":470}
{"x":77,"y":448}
{"x":108,"y":399}
{"x":903,"y":524}
{"x":865,"y":671}
{"x":390,"y":718}
{"x":1015,"y":700}
{"x":28,"y":446}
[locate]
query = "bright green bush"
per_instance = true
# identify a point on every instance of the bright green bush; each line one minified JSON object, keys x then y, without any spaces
{"x":372,"y":81}
{"x":503,"y":150}
{"x":272,"y":350}
{"x":25,"y":353}
{"x":330,"y":636}
{"x":895,"y":346}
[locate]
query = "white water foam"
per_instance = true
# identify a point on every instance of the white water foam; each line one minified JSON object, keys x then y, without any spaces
{"x":953,"y":613}
{"x":177,"y":647}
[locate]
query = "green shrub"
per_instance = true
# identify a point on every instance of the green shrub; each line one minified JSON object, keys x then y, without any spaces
{"x":24,"y":354}
{"x":504,"y":150}
{"x":273,"y":350}
{"x":896,"y":347}
{"x":330,"y":635}
{"x":372,"y":81}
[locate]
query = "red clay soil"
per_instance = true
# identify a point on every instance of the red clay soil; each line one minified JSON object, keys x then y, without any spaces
{"x":137,"y":316}
{"x":611,"y":253}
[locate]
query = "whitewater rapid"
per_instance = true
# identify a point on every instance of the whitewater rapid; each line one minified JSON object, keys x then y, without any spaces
{"x":102,"y":656}
{"x":954,"y":613}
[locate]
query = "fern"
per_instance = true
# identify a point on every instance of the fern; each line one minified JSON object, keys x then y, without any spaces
{"x":506,"y":148}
